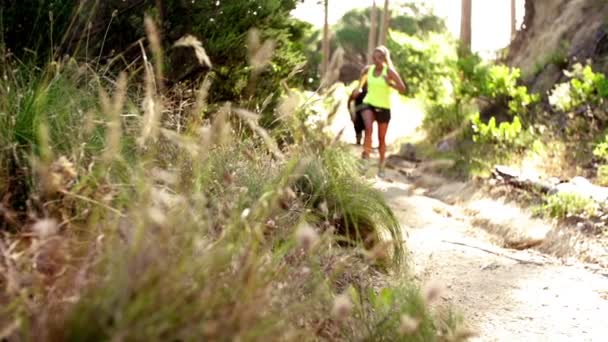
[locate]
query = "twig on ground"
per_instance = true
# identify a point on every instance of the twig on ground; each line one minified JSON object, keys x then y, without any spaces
{"x":521,"y":261}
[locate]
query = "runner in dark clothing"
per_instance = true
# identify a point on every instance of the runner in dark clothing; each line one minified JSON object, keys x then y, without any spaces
{"x":355,"y":104}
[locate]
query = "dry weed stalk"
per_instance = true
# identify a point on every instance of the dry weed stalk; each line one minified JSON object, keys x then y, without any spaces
{"x":156,"y":47}
{"x":252,"y":120}
{"x":201,"y":105}
{"x":112,"y":108}
{"x":260,"y":53}
{"x":152,"y":108}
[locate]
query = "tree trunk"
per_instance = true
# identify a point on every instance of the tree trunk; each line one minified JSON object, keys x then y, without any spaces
{"x":386,"y":18}
{"x":465,"y":24}
{"x":325,"y":48}
{"x":513,"y":18}
{"x":372,"y":33}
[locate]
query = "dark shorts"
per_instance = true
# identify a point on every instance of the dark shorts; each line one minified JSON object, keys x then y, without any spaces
{"x":381,"y":115}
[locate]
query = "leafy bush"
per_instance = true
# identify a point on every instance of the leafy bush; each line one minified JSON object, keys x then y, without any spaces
{"x":508,"y":135}
{"x":585,"y":87}
{"x":562,"y":205}
{"x":581,"y":102}
{"x":444,"y":118}
{"x":601,"y":149}
{"x":411,"y":19}
{"x":113,"y":28}
{"x":424,"y":63}
{"x":332,"y":184}
{"x":602,"y":175}
{"x":393,"y":314}
{"x":501,"y":85}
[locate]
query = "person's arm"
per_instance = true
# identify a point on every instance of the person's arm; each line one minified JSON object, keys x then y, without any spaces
{"x":395,"y":81}
{"x":362,"y":80}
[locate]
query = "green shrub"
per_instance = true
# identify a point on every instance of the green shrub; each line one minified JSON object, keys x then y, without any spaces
{"x":334,"y":189}
{"x":562,"y":205}
{"x":585,"y":87}
{"x":501,"y":87}
{"x":602,"y":175}
{"x":601,"y":149}
{"x":444,"y":118}
{"x":509,"y":135}
{"x":498,"y":86}
{"x":425,"y":63}
{"x":395,"y":314}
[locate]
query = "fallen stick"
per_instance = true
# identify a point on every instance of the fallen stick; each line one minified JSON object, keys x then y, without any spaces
{"x":522,"y":261}
{"x":514,"y":178}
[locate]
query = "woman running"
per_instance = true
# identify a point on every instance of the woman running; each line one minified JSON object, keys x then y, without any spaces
{"x":380,"y":78}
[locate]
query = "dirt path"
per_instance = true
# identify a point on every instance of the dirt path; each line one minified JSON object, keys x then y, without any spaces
{"x":536,"y":299}
{"x":457,"y":238}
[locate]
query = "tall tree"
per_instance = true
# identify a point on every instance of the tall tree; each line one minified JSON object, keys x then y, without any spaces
{"x":325,"y":48}
{"x":513,"y":18}
{"x":371,"y":42}
{"x":465,"y":23}
{"x":386,"y":18}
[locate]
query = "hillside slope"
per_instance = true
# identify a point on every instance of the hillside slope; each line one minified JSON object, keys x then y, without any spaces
{"x":556,"y":34}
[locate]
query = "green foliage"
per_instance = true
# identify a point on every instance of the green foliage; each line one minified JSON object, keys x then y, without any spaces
{"x":412,"y":19}
{"x":303,"y":39}
{"x":601,"y":149}
{"x":500,"y":80}
{"x":602,"y":175}
{"x":498,"y":84}
{"x":501,"y":83}
{"x":332,"y":184}
{"x":581,"y":102}
{"x":471,"y":75}
{"x":585,"y":87}
{"x":31,"y":28}
{"x":113,"y":28}
{"x":562,"y":205}
{"x":59,"y":97}
{"x":424,"y":63}
{"x":388,"y":312}
{"x":444,"y":118}
{"x":507,"y":135}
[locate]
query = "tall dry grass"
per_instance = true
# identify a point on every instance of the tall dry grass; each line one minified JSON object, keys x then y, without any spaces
{"x":119,"y":226}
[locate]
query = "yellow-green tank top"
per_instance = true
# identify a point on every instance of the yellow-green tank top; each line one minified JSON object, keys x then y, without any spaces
{"x":378,"y":90}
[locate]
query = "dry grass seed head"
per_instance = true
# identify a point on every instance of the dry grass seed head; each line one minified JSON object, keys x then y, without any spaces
{"x":408,"y":325}
{"x":342,"y":307}
{"x":432,"y":292}
{"x":155,"y":45}
{"x":288,"y":106}
{"x":252,"y":121}
{"x":152,"y":108}
{"x":197,"y":46}
{"x":45,"y":228}
{"x":306,"y":236}
{"x":259,"y":53}
{"x":221,"y":128}
{"x":200,"y":106}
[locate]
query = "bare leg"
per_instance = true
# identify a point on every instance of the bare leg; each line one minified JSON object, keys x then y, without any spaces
{"x":368,"y":119}
{"x":382,"y":128}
